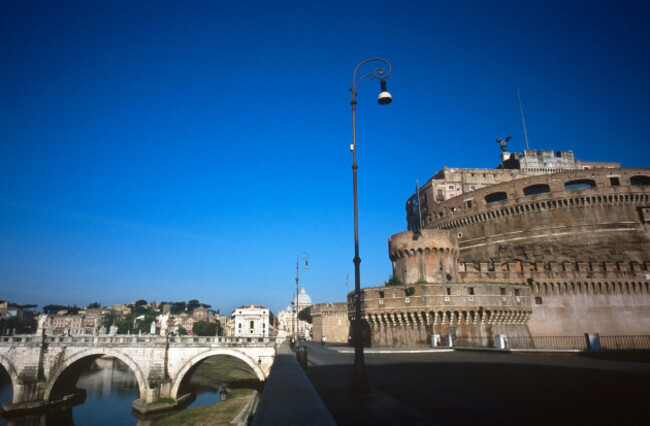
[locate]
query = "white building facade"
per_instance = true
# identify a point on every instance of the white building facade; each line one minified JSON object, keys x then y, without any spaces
{"x":250,"y":321}
{"x":288,"y":324}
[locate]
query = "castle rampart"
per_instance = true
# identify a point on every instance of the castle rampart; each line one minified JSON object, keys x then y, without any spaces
{"x":547,"y":249}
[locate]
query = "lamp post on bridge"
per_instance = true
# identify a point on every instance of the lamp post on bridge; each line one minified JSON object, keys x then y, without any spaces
{"x":360,"y":383}
{"x":301,"y":256}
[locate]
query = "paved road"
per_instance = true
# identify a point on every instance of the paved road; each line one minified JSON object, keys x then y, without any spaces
{"x":470,"y":388}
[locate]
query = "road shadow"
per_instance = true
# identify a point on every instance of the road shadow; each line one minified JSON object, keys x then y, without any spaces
{"x":485,"y":393}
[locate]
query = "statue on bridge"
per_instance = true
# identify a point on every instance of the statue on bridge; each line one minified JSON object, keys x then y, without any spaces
{"x":163,"y":324}
{"x":42,"y":323}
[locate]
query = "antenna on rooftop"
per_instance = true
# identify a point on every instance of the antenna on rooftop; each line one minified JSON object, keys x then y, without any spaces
{"x":521,"y":108}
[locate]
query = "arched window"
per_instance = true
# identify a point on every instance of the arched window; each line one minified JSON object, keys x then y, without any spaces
{"x":580,"y":184}
{"x":640,"y":180}
{"x":496,"y":196}
{"x":541,"y":188}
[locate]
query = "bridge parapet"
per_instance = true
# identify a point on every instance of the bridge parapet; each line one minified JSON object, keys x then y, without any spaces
{"x":122,"y":340}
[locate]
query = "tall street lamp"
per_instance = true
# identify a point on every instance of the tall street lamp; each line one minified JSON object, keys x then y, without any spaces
{"x":360,"y":383}
{"x":301,"y":256}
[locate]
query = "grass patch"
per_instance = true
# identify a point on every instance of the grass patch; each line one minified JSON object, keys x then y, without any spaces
{"x":218,"y":414}
{"x":240,"y":383}
{"x":225,"y":372}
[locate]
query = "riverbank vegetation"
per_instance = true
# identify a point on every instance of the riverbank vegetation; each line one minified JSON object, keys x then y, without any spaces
{"x":240,"y":383}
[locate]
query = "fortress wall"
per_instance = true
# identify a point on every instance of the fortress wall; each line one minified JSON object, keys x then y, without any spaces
{"x":429,"y":256}
{"x":608,"y":315}
{"x":407,"y":315}
{"x":556,"y":262}
{"x":331,"y":320}
{"x":445,"y":214}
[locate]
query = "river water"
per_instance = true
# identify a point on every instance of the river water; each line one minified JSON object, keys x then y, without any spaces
{"x":111,"y":388}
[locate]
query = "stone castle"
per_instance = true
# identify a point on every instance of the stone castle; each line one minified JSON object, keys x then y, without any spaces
{"x":543,"y":245}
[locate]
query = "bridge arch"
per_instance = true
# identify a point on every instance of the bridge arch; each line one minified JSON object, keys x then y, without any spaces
{"x":11,"y":371}
{"x":178,"y":379}
{"x":56,"y":373}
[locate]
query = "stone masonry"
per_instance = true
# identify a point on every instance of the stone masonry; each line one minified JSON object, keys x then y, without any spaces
{"x":35,"y":363}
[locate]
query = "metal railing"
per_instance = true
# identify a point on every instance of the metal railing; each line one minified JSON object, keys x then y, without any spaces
{"x":625,"y":342}
{"x":547,"y":342}
{"x":557,"y":342}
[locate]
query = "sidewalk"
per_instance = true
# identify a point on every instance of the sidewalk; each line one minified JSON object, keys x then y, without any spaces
{"x":350,"y":350}
{"x":346,"y":349}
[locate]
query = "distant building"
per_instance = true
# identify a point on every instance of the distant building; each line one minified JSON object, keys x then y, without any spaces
{"x":288,"y":324}
{"x":91,"y":318}
{"x":200,"y":314}
{"x":26,"y":316}
{"x":120,"y":308}
{"x":330,"y":320}
{"x":64,"y":324}
{"x":250,"y":321}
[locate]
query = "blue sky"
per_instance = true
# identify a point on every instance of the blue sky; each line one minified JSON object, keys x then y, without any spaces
{"x":174,"y":150}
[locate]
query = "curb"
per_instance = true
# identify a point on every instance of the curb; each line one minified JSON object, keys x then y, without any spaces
{"x":455,"y":348}
{"x":395,"y":351}
{"x":241,"y":419}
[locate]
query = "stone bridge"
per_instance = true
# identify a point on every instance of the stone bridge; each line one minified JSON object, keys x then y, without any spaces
{"x":42,"y":368}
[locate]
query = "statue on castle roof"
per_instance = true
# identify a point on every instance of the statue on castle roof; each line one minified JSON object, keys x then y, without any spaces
{"x":503,"y":143}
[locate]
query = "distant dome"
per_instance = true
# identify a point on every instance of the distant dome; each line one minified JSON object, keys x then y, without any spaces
{"x":303,"y":299}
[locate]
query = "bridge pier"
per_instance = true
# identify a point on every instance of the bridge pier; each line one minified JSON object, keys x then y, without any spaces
{"x":29,"y":397}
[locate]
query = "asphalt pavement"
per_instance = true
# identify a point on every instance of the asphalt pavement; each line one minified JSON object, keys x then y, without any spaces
{"x":485,"y":388}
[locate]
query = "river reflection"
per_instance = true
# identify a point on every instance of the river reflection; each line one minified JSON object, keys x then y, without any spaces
{"x":111,"y":388}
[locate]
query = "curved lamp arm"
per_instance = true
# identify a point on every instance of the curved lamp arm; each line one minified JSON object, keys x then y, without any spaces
{"x":379,"y":73}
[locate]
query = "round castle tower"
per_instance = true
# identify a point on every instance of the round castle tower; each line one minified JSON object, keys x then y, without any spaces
{"x":430,"y":256}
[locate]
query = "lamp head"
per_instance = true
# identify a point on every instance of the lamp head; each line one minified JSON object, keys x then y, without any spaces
{"x":306,"y":264}
{"x":384,"y":97}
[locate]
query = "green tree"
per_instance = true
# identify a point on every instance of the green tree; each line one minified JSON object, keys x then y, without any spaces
{"x":124,"y":323}
{"x":94,"y":305}
{"x":305,"y":315}
{"x":144,"y":324}
{"x":393,"y":281}
{"x":107,"y":320}
{"x":139,"y":310}
{"x":182,"y":331}
{"x":193,"y":304}
{"x":12,"y":324}
{"x":205,"y":328}
{"x":177,"y":308}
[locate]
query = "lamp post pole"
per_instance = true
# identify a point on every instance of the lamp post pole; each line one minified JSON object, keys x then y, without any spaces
{"x":360,"y":384}
{"x":301,"y":256}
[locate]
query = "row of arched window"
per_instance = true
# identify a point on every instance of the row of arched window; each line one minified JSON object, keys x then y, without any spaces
{"x":520,"y":208}
{"x":543,"y":188}
{"x":448,"y":317}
